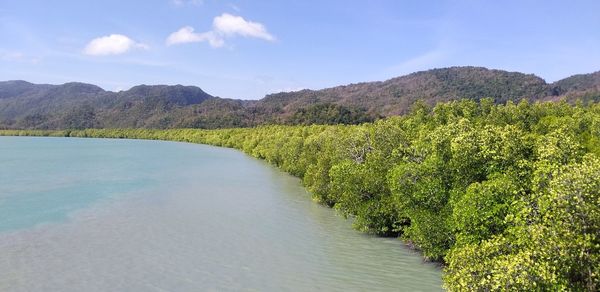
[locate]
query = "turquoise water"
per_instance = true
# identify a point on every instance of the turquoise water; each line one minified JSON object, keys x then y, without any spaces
{"x":132,"y":215}
{"x":43,"y":179}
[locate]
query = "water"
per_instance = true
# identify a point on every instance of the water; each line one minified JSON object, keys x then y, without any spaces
{"x":126,"y":215}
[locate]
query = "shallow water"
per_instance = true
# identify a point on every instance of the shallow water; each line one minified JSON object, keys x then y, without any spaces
{"x":132,"y":215}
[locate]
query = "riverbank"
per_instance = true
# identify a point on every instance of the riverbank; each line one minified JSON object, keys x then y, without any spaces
{"x":475,"y":185}
{"x":137,"y":215}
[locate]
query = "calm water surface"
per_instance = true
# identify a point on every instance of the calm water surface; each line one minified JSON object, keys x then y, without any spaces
{"x":125,"y":215}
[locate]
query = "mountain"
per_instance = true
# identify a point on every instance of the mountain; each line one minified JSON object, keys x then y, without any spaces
{"x":395,"y":96}
{"x":147,"y":106}
{"x":80,"y":105}
{"x":580,"y":82}
{"x":585,"y":87}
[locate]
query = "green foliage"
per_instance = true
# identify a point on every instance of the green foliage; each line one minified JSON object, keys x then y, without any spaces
{"x":481,"y":212}
{"x":554,"y":246}
{"x":329,"y":114}
{"x":82,"y":117}
{"x":507,"y":196}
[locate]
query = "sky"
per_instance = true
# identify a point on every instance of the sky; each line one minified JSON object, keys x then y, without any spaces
{"x":246,"y":49}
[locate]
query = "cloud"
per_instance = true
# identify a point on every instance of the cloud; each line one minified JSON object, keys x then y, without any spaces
{"x":187,"y":35}
{"x":231,"y":25}
{"x":114,"y":44}
{"x":223,"y":27}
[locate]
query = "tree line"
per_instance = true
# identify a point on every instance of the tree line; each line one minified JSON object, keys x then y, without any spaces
{"x":506,"y":196}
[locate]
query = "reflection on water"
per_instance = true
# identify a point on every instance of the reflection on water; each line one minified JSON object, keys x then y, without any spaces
{"x":125,"y":215}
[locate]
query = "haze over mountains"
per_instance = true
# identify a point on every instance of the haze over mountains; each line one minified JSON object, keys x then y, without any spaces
{"x":24,"y":105}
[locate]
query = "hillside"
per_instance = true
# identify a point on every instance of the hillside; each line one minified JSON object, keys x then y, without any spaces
{"x":585,"y":87}
{"x":79,"y":105}
{"x":395,"y":96}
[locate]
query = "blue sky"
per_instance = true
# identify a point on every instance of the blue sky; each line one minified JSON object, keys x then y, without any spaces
{"x":246,"y":49}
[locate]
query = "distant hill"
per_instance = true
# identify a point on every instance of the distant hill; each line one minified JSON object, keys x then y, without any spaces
{"x":580,"y":82}
{"x":395,"y":96}
{"x":584,"y":87}
{"x":80,"y":105}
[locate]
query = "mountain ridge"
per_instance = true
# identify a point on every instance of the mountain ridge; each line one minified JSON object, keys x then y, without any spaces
{"x":25,"y":105}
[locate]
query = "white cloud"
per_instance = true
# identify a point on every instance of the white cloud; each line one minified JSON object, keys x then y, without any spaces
{"x":187,"y":35}
{"x":224,"y":26}
{"x":231,"y":25}
{"x":114,"y":44}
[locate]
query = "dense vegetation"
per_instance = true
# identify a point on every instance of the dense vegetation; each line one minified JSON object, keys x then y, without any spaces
{"x":77,"y":106}
{"x":507,"y":196}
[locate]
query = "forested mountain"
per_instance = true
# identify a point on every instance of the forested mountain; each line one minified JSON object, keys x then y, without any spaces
{"x":585,"y":87}
{"x":79,"y":105}
{"x":395,"y":96}
{"x":580,"y":82}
